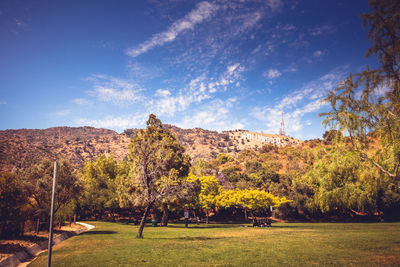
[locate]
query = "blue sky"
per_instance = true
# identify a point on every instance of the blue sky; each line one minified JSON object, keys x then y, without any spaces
{"x":218,"y":65}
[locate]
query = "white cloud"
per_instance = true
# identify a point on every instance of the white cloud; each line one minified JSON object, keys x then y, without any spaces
{"x":213,"y":116}
{"x":291,"y":68}
{"x":162,"y":93}
{"x":62,"y":113}
{"x":232,"y":68}
{"x":120,"y":123}
{"x":20,"y":23}
{"x":286,"y":27}
{"x":272,"y":73}
{"x":381,"y":90}
{"x":115,"y":90}
{"x":274,"y":4}
{"x":249,"y":21}
{"x":231,"y":76}
{"x":308,"y":108}
{"x":321,"y":29}
{"x":169,"y":105}
{"x":292,"y":99}
{"x":223,"y":34}
{"x":140,"y":71}
{"x":202,"y":12}
{"x":82,"y":102}
{"x":269,"y":115}
{"x":3,"y":103}
{"x":297,"y":104}
{"x":318,"y":53}
{"x":165,"y":103}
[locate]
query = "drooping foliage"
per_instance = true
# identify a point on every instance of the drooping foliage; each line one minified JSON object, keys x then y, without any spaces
{"x":366,"y":106}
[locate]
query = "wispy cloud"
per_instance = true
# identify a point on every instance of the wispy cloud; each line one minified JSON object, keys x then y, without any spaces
{"x":165,"y":102}
{"x":220,"y":39}
{"x":230,"y":76}
{"x":20,"y":23}
{"x":114,"y":90}
{"x":213,"y":116}
{"x":249,"y":21}
{"x":321,"y":29}
{"x":199,"y":89}
{"x":115,"y":122}
{"x":82,"y":102}
{"x":202,"y":11}
{"x":274,"y":5}
{"x":285,"y":27}
{"x":291,"y":68}
{"x":318,"y":53}
{"x":297,"y":104}
{"x":62,"y":113}
{"x":3,"y":102}
{"x":272,"y":73}
{"x":140,"y":71}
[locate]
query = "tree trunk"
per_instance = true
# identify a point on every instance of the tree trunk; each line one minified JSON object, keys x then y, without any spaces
{"x":141,"y":226}
{"x":37,"y":226}
{"x":22,"y":231}
{"x":74,"y":218}
{"x":164,"y":219}
{"x":129,"y":218}
{"x":245,"y":214}
{"x":207,"y":216}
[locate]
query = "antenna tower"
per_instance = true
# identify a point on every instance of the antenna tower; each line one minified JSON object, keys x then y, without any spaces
{"x":282,"y":129}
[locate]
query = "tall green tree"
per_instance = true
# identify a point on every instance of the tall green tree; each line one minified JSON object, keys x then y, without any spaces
{"x":210,"y":188}
{"x":342,"y":185}
{"x":39,"y":180}
{"x":367,"y":104}
{"x":100,"y":185}
{"x":13,"y":201}
{"x":158,"y":167}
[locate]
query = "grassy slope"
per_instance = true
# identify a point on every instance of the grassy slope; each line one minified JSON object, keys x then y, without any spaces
{"x":304,"y":244}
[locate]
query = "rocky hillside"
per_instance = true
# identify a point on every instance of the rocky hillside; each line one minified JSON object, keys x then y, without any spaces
{"x":21,"y":148}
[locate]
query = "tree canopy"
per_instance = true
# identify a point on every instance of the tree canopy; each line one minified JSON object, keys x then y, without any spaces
{"x":158,"y":166}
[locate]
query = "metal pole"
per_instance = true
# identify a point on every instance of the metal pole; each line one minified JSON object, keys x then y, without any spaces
{"x":53,"y":197}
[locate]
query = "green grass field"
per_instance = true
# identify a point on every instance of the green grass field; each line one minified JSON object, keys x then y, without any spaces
{"x":285,"y":244}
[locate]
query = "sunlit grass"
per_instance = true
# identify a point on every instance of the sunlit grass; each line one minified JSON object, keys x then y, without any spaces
{"x":302,"y":244}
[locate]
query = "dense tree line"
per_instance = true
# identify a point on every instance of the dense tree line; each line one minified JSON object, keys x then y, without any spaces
{"x":25,"y":197}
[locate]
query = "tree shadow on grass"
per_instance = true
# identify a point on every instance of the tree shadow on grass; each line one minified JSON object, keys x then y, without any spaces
{"x":99,"y":233}
{"x":204,"y":226}
{"x":284,"y":226}
{"x":192,"y":238}
{"x":244,"y":226}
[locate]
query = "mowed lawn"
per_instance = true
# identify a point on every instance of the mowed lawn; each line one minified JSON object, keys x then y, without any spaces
{"x":285,"y":244}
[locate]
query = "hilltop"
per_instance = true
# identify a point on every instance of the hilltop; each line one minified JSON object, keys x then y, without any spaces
{"x":24,"y":147}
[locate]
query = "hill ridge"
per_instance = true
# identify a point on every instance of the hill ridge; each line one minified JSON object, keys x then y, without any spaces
{"x":20,"y":148}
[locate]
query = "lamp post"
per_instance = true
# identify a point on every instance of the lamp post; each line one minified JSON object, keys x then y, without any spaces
{"x":53,"y":196}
